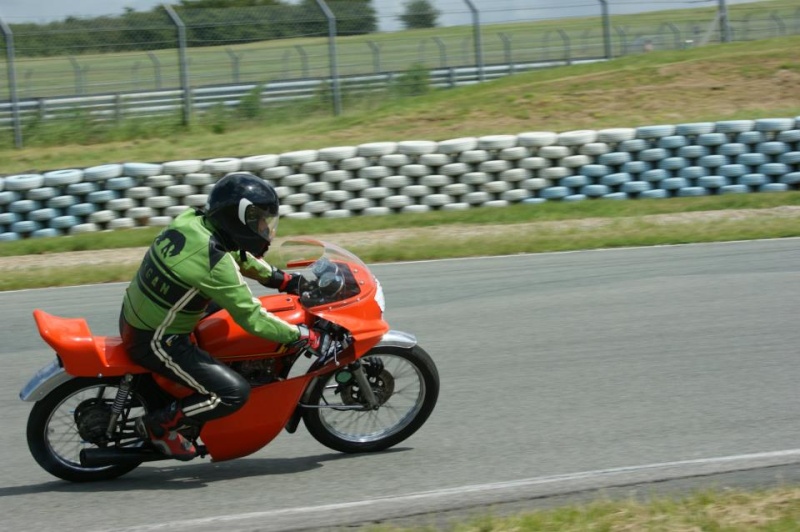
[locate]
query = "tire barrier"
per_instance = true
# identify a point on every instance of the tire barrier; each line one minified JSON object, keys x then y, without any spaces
{"x":414,"y":176}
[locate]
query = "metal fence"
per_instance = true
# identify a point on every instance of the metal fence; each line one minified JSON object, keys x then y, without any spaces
{"x":176,"y":59}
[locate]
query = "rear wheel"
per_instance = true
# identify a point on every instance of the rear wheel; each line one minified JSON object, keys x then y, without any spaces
{"x":405,"y":383}
{"x":74,"y":417}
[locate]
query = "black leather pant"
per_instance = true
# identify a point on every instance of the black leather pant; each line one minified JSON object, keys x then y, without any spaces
{"x":220,"y":391}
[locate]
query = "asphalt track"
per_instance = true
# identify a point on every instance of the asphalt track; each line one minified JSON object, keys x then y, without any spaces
{"x":563,"y":375}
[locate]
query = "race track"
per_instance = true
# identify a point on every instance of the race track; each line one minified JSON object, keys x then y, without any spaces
{"x":560,"y":373}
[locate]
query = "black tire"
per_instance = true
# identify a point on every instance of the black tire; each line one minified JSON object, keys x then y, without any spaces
{"x":320,"y":421}
{"x":64,"y":461}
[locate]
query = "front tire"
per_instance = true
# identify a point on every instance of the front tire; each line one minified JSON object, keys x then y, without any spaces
{"x":406,"y":383}
{"x":72,"y":418}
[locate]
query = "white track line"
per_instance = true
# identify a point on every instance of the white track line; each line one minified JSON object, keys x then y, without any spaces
{"x":579,"y":481}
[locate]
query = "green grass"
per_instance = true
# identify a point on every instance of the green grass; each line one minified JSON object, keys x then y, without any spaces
{"x":775,"y":510}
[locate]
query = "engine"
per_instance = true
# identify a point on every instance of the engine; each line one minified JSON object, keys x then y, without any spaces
{"x":256,"y":372}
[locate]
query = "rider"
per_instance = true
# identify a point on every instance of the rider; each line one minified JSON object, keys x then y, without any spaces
{"x":199,"y":258}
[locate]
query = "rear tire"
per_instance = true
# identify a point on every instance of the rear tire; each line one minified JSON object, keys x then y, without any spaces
{"x":406,"y":383}
{"x":55,"y":440}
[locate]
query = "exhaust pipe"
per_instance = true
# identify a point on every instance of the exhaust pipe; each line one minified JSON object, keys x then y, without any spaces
{"x":103,"y":457}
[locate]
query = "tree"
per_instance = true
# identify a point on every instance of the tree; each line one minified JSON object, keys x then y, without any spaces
{"x":419,"y":14}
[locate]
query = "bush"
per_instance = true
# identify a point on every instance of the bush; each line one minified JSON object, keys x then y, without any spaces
{"x":413,"y":82}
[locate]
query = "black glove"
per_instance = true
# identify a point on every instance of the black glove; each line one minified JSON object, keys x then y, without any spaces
{"x":284,"y":282}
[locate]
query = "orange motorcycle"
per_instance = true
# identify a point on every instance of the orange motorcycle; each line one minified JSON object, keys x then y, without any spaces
{"x":371,"y":393}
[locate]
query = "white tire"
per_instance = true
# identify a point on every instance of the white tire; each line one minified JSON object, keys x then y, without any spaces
{"x":554,"y":152}
{"x":42,"y":194}
{"x":434,"y":159}
{"x":353,"y":163}
{"x":477,"y":198}
{"x":120,"y":183}
{"x":139,"y":213}
{"x":535,"y":163}
{"x":374,"y":172}
{"x":297,"y":158}
{"x":457,"y":189}
{"x":315,"y":167}
{"x":415,"y":209}
{"x":437,"y":200}
{"x":84,"y":228}
{"x":496,"y":203}
{"x":575,"y":161}
{"x":297,"y":199}
{"x":356,"y":184}
{"x":494,"y":167}
{"x":101,"y":196}
{"x":577,"y":138}
{"x":284,"y":209}
{"x":259,"y":163}
{"x":317,"y":207}
{"x":337,"y":153}
{"x":159,"y":221}
{"x":734,"y":126}
{"x":535,"y":183}
{"x":497,"y":142}
{"x":416,"y":147}
{"x":61,"y":202}
{"x":316,"y":187}
{"x":555,"y":172}
{"x":175,"y":210}
{"x":514,"y":154}
{"x":435,"y":180}
{"x":514,"y":175}
{"x":159,"y":181}
{"x":496,"y":187}
{"x":695,"y":128}
{"x":654,"y":132}
{"x":454,"y":169}
{"x":179,"y":191}
{"x":141,"y":169}
{"x":396,"y":181}
{"x":140,"y":193}
{"x":196,"y":200}
{"x":415,"y":170}
{"x":453,"y":146}
{"x":198,"y":180}
{"x":376,"y":193}
{"x":337,"y":196}
{"x":394,"y":160}
{"x":376,"y":149}
{"x":473,"y":156}
{"x":182,"y":167}
{"x":222,"y":165}
{"x":122,"y":223}
{"x":475,"y":178}
{"x":537,"y":139}
{"x":450,"y":207}
{"x":102,"y":172}
{"x":397,"y":202}
{"x":295,"y":215}
{"x":102,"y":217}
{"x":416,"y":191}
{"x":296,"y":180}
{"x":58,"y":178}
{"x":515,"y":195}
{"x":276,"y":173}
{"x":774,"y":124}
{"x":357,"y":204}
{"x":337,"y":213}
{"x":594,"y":149}
{"x":376,"y":211}
{"x":120,"y":204}
{"x":160,"y":202}
{"x":616,"y":134}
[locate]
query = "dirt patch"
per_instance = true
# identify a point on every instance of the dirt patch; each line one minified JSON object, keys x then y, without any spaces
{"x":132,"y":256}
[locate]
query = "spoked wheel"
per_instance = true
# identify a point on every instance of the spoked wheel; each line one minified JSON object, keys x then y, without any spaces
{"x":75,"y":416}
{"x":405,"y":384}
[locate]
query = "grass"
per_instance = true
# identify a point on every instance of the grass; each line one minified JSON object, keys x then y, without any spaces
{"x":775,"y":510}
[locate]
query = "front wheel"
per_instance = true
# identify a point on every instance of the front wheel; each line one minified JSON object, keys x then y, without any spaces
{"x":404,"y":381}
{"x":75,"y":416}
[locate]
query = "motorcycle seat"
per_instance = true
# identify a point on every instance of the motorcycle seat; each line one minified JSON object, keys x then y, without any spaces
{"x":72,"y":339}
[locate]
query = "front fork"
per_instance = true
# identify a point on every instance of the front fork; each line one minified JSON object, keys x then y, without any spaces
{"x":357,"y":368}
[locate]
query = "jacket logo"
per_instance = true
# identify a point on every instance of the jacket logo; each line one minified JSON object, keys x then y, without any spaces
{"x":175,"y":241}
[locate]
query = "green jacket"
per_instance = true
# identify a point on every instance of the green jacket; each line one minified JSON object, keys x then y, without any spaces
{"x":185,"y":268}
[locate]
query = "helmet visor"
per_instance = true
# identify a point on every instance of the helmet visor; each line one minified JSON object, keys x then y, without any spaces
{"x":261,"y":222}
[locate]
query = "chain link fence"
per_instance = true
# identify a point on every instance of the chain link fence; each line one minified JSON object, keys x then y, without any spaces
{"x":187,"y":60}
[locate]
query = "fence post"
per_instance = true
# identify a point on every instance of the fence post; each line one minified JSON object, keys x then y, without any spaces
{"x":724,"y":28}
{"x":376,"y":55}
{"x":156,"y":68}
{"x":442,"y":51}
{"x":184,"y":68}
{"x":337,"y":92}
{"x":12,"y":82}
{"x":235,"y":60}
{"x":303,"y":60}
{"x":476,"y":27}
{"x":606,"y":28}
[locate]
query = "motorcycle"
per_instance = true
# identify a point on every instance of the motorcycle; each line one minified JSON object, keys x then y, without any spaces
{"x":376,"y":388}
